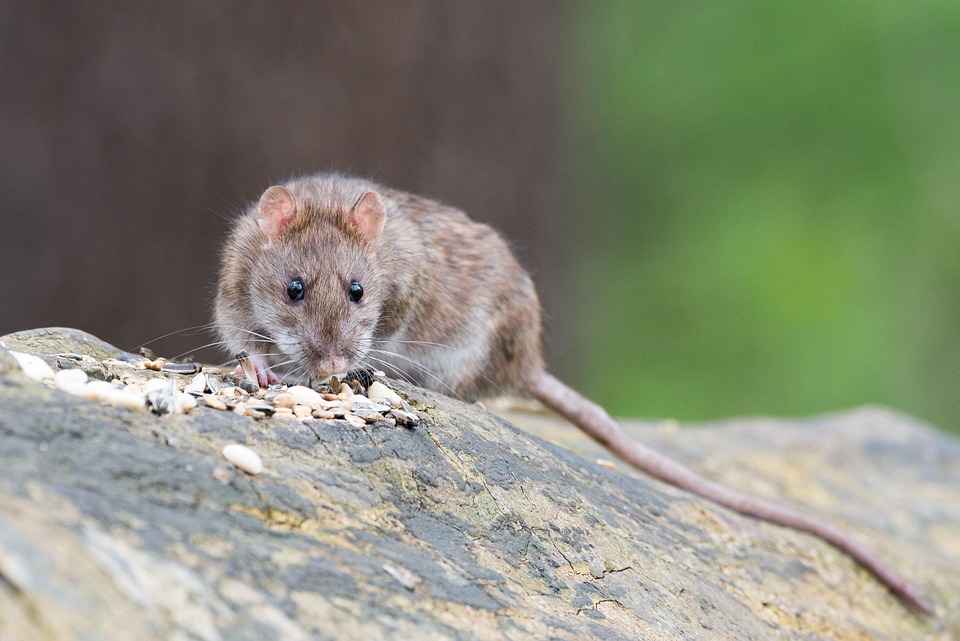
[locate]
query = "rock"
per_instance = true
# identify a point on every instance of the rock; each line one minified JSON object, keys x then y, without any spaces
{"x":117,"y":524}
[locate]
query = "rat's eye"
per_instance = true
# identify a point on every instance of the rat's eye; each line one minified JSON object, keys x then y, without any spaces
{"x":295,"y":290}
{"x":356,"y":291}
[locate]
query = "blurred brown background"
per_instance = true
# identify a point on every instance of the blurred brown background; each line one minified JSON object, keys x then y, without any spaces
{"x":131,"y":134}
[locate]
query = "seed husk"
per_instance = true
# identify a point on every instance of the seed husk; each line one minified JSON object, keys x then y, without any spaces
{"x":249,"y":369}
{"x":197,"y":385}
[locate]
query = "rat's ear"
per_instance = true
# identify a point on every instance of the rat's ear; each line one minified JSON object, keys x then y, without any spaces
{"x":277,"y":210}
{"x":367,"y":216}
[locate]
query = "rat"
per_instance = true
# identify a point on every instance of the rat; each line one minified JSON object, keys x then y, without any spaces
{"x":329,"y":273}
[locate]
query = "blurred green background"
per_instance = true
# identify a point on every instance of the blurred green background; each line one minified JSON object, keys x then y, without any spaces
{"x":768,"y":206}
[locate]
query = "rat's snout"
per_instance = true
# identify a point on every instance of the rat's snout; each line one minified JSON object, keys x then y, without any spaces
{"x":326,"y":357}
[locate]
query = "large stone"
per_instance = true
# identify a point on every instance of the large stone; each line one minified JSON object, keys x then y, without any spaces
{"x":118,"y":524}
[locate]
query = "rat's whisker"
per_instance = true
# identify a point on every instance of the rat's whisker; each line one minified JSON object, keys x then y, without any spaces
{"x":196,"y":329}
{"x":403,"y":376}
{"x":408,"y":342}
{"x":422,"y":368}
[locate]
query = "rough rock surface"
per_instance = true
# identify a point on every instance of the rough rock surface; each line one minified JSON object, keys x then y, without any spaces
{"x":118,"y":524}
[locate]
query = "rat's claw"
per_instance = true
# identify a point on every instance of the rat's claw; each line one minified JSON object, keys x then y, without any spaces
{"x":265,"y":375}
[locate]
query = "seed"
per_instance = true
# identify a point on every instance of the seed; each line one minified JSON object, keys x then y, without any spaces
{"x":370,"y":416}
{"x":104,"y":392}
{"x":183,"y":403}
{"x":356,"y":421}
{"x":285,"y":400}
{"x":283,"y":411}
{"x":155,"y":365}
{"x":301,"y":411}
{"x":214,"y":384}
{"x":164,"y":401}
{"x":249,"y":369}
{"x":123,"y":398}
{"x":197,"y":385}
{"x":180,"y":368}
{"x":155,"y":385}
{"x":230,"y":391}
{"x":378,"y":390}
{"x":405,"y":418}
{"x":323,"y":414}
{"x":304,"y":395}
{"x":369,"y":407}
{"x":214,"y":402}
{"x":248,"y":387}
{"x":33,"y":366}
{"x":96,"y":390}
{"x":243,"y":457}
{"x":69,"y":380}
{"x":264,"y":408}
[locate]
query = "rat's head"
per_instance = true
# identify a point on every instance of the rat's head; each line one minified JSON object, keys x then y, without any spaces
{"x":313,"y":286}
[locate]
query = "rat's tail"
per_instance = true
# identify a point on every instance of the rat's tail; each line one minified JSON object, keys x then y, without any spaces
{"x":593,"y":420}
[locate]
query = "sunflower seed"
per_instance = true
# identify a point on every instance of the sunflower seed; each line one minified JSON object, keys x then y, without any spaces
{"x":180,"y":368}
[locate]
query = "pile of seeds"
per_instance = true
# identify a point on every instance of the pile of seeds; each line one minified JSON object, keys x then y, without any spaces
{"x":352,"y":402}
{"x":335,"y":400}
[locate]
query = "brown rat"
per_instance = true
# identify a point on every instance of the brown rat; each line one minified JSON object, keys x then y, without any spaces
{"x":328,"y":273}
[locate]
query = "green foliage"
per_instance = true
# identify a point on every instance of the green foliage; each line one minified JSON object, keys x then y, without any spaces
{"x":773,"y":196}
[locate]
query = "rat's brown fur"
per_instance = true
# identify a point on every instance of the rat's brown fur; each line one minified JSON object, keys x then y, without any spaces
{"x":445,"y":305}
